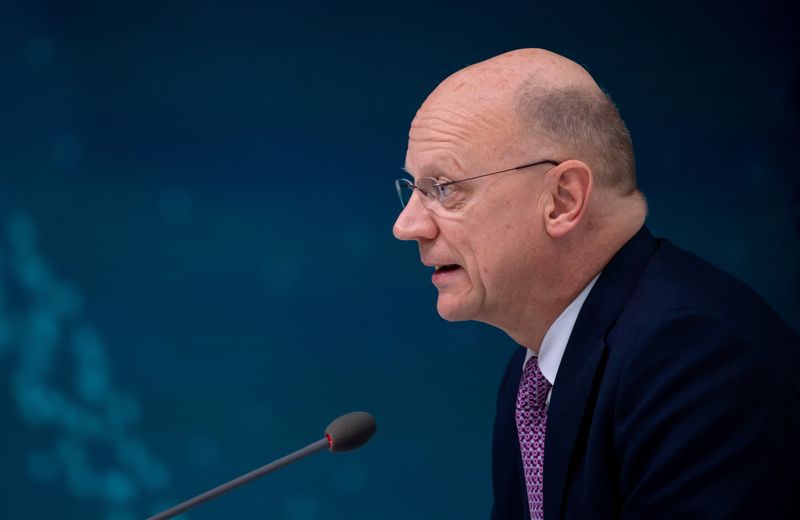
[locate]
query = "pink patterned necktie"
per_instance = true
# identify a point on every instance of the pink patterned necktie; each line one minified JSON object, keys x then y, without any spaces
{"x":531,"y":426}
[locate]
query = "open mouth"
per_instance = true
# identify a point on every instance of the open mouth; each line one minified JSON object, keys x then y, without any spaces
{"x":444,"y":269}
{"x":447,"y":268}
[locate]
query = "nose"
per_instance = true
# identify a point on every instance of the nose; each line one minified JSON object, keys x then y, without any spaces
{"x":415,"y":222}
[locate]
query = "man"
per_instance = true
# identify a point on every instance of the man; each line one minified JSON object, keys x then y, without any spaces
{"x":650,"y":385}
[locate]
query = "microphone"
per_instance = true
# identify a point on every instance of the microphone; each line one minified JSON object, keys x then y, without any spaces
{"x":345,"y":433}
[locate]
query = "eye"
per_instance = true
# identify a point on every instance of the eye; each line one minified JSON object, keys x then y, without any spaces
{"x":447,"y":190}
{"x":452,"y":196}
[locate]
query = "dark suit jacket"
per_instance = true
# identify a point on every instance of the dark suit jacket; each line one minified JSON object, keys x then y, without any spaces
{"x":678,"y":396}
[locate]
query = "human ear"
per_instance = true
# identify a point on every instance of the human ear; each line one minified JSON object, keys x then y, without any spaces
{"x":569,"y":196}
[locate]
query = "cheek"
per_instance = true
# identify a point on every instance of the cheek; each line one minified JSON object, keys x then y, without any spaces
{"x":509,"y":253}
{"x":499,"y":245}
{"x":495,"y":250}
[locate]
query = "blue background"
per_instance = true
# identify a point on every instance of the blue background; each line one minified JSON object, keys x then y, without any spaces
{"x":197,"y":271}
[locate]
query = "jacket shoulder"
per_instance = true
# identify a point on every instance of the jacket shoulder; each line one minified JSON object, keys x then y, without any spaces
{"x":678,"y":288}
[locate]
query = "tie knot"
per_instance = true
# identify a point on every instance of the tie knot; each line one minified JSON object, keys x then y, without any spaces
{"x":534,"y":386}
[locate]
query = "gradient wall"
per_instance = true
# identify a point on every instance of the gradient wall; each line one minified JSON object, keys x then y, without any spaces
{"x":197,"y":270}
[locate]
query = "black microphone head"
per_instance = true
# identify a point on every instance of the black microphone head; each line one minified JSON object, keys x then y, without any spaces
{"x":350,"y":431}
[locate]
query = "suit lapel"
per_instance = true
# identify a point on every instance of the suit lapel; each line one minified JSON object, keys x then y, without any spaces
{"x":568,"y":403}
{"x":582,"y":363}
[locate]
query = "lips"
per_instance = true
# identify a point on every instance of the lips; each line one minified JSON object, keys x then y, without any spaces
{"x":444,"y":274}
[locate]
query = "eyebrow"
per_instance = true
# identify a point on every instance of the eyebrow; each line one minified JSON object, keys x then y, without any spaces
{"x":431,"y":170}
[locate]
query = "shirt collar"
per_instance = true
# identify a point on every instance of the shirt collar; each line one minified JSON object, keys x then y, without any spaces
{"x":555,"y":340}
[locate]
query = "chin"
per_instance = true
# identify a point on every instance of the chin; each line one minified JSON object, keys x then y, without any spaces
{"x":454,"y":309}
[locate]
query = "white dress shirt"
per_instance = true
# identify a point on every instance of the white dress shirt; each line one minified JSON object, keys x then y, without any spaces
{"x":555,"y":340}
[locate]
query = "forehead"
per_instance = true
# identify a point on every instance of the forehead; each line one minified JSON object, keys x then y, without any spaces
{"x":433,"y":163}
{"x":458,"y":140}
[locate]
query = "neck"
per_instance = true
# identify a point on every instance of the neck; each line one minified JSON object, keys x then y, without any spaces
{"x":578,"y":259}
{"x":532,"y":325}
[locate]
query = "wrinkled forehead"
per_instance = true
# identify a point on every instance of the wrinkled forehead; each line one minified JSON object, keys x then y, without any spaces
{"x":455,"y":135}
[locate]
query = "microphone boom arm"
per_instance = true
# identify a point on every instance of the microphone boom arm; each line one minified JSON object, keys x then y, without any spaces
{"x":243,"y":479}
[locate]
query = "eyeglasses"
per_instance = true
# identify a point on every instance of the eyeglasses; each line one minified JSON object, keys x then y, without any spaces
{"x":444,"y":193}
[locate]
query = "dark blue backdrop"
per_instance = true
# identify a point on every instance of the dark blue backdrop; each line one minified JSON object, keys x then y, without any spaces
{"x":197,"y":270}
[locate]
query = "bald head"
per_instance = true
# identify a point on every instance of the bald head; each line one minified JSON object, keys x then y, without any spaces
{"x":548,"y":101}
{"x":499,"y":78}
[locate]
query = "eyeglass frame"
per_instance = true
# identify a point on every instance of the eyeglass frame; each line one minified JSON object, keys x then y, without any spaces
{"x":440,"y":185}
